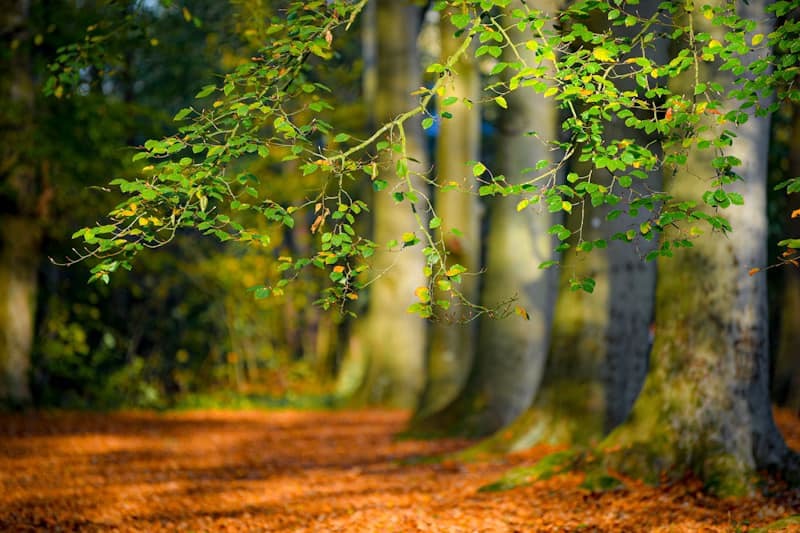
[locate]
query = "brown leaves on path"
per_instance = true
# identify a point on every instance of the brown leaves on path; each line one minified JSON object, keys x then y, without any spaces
{"x":310,"y":471}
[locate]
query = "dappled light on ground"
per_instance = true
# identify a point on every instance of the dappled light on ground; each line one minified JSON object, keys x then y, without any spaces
{"x":311,"y":471}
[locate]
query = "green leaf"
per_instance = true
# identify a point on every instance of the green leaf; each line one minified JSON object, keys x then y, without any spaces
{"x":478,"y":169}
{"x":340,"y":138}
{"x":205,"y":91}
{"x":790,"y":243}
{"x":182,"y":114}
{"x":460,"y":20}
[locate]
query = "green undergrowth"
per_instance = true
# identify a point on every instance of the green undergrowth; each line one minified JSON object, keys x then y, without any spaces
{"x":232,"y":400}
{"x":780,"y":525}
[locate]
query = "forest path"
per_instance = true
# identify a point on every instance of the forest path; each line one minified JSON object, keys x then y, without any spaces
{"x":309,"y":471}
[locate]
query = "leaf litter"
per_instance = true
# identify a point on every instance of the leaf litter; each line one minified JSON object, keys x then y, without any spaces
{"x":318,"y":471}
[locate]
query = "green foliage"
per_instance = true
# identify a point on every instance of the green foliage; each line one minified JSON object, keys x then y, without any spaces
{"x":181,"y":324}
{"x":780,"y":525}
{"x":273,"y":108}
{"x":547,"y":467}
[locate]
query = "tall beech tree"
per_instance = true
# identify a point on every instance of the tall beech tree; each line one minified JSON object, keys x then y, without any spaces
{"x":705,"y":405}
{"x":394,"y":340}
{"x":600,"y":341}
{"x":511,"y":353}
{"x":451,"y":339}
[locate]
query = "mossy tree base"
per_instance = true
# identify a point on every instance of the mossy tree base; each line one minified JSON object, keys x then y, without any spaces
{"x":597,"y":476}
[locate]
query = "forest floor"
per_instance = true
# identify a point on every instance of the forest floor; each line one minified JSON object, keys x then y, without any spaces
{"x":315,"y":472}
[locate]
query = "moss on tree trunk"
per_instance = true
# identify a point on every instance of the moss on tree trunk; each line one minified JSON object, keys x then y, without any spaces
{"x":705,"y":405}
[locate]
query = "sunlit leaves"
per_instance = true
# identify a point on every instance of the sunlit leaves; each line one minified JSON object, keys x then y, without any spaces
{"x":272,"y":108}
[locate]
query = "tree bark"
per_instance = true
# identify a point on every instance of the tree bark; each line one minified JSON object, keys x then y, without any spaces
{"x":510,"y":353}
{"x":628,"y":334}
{"x":451,"y":340}
{"x":395,"y":339}
{"x":705,"y":405}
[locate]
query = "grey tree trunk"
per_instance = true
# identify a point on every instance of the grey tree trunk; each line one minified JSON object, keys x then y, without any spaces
{"x":601,"y":341}
{"x":705,"y":405}
{"x":511,"y":353}
{"x":22,"y":207}
{"x":451,"y":340}
{"x":632,"y":280}
{"x":353,"y":366}
{"x":394,"y":340}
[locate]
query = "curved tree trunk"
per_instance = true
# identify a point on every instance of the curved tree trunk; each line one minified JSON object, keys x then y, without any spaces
{"x":511,"y":352}
{"x":451,"y":339}
{"x":705,"y":405}
{"x":21,"y":205}
{"x":569,"y":406}
{"x":394,"y":340}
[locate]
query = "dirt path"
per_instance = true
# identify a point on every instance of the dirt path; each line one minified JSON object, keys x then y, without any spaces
{"x":301,"y":471}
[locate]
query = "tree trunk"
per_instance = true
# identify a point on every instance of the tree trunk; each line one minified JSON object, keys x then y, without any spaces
{"x":21,"y":205}
{"x":511,"y":352}
{"x":451,"y":341}
{"x":395,"y":339}
{"x":569,"y":406}
{"x":705,"y":405}
{"x":629,"y":335}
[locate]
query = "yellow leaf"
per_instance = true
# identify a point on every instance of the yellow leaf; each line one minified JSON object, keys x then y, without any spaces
{"x":601,"y":54}
{"x":522,"y":312}
{"x":708,"y":13}
{"x":754,"y":271}
{"x":796,"y":213}
{"x":550,"y":92}
{"x":187,"y":15}
{"x":566,"y":206}
{"x":713,"y":43}
{"x":338,"y":268}
{"x":522,"y":204}
{"x":423,"y":294}
{"x":757,"y":38}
